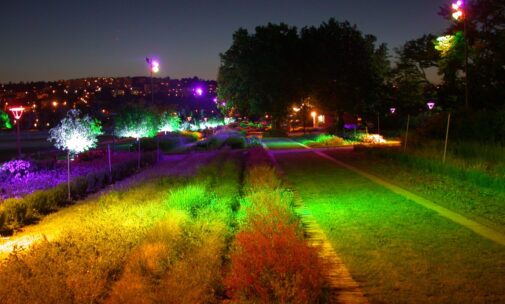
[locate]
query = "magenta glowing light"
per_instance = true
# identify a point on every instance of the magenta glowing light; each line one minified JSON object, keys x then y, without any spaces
{"x":214,"y":99}
{"x":198,"y":91}
{"x":393,"y":110}
{"x":430,"y":104}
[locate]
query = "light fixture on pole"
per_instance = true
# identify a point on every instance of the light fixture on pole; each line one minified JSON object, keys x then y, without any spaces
{"x":17,"y":112}
{"x":154,"y":67}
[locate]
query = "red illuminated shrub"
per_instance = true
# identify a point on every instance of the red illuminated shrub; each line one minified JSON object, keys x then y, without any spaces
{"x":274,"y":265}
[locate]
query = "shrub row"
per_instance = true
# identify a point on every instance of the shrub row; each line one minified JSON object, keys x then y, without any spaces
{"x":17,"y":212}
{"x":474,"y":176}
{"x":180,"y":260}
{"x":271,"y":262}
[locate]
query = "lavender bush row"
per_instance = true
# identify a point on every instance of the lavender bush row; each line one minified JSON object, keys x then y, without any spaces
{"x":17,"y":212}
{"x":20,"y":177}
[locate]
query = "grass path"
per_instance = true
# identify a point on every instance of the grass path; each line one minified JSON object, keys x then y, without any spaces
{"x":397,"y":250}
{"x":482,"y":230}
{"x":53,"y":225}
{"x":344,"y":288}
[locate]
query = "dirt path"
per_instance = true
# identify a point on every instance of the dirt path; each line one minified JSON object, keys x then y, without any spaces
{"x":170,"y":165}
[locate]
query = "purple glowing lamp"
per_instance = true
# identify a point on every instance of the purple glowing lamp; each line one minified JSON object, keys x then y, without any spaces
{"x":430,"y":104}
{"x":198,"y":91}
{"x":392,"y":110}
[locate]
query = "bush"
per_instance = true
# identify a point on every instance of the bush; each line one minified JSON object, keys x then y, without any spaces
{"x":262,"y":177}
{"x":189,"y":198}
{"x":16,"y":212}
{"x":274,"y":265}
{"x":235,"y":142}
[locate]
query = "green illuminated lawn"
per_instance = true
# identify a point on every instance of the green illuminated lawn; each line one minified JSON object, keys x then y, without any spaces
{"x":282,"y":143}
{"x":480,"y":203}
{"x":397,"y":250}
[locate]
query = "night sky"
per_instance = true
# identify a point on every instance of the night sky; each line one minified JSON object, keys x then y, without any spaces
{"x":50,"y":40}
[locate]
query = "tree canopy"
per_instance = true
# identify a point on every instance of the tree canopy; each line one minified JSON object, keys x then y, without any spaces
{"x":277,"y":66}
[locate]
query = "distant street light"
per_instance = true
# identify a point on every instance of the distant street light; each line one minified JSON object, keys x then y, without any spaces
{"x":154,"y":67}
{"x":313,"y":114}
{"x":392,"y":110}
{"x":431,"y":105}
{"x":17,"y":112}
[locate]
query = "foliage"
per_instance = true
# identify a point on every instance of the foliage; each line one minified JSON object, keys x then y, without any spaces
{"x":270,"y":260}
{"x":169,"y":122}
{"x":484,"y":35}
{"x":4,"y":120}
{"x":265,"y":72}
{"x":16,"y":168}
{"x":74,"y":133}
{"x":352,"y":84}
{"x":324,"y":140}
{"x":16,"y":212}
{"x":260,"y":72}
{"x":136,"y":122}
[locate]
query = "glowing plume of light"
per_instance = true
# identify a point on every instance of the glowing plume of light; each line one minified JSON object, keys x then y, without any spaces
{"x":75,"y":134}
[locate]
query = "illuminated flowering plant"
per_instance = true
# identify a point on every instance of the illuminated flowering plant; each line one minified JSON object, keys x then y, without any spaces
{"x":74,"y":133}
{"x":137,"y":123}
{"x":169,"y":123}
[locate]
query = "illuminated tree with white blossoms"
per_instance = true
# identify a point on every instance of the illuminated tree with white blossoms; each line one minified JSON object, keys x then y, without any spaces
{"x":169,"y":123}
{"x":137,"y":123}
{"x":75,"y":134}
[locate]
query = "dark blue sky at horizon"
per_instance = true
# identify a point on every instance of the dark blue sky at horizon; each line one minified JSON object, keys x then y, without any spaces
{"x":51,"y":40}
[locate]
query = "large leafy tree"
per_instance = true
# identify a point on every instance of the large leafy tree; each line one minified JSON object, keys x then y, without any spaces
{"x":344,"y":68}
{"x":409,"y":79}
{"x":485,"y":35}
{"x":260,"y":73}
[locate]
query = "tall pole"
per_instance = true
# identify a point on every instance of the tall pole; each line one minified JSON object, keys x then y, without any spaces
{"x":466,"y":59}
{"x":152,"y":87}
{"x":138,"y":157}
{"x":68,"y":175}
{"x":17,"y":138}
{"x":378,"y":124}
{"x":406,"y":134}
{"x":446,"y":136}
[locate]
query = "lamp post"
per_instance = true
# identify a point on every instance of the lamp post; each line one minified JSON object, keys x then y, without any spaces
{"x":17,"y":112}
{"x":154,"y":67}
{"x":458,"y":14}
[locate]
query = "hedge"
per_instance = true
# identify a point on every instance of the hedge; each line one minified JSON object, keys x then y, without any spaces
{"x":18,"y":212}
